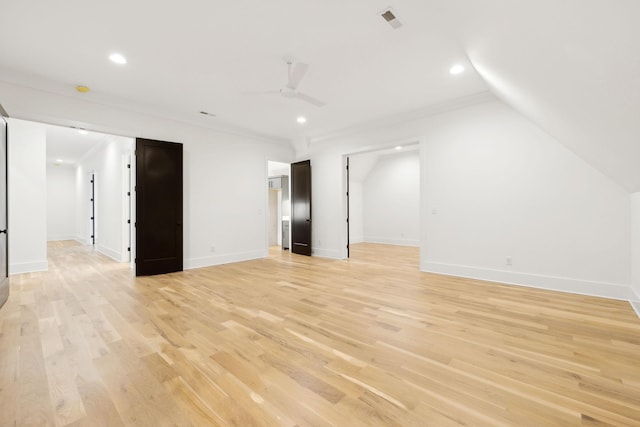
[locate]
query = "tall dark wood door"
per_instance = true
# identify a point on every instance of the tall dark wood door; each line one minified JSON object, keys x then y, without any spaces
{"x":4,"y":261}
{"x":158,"y":207}
{"x":301,"y":208}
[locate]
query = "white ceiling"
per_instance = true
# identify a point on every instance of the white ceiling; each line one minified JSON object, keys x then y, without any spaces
{"x":69,"y":145}
{"x":571,"y":66}
{"x":191,"y":56}
{"x":362,"y":163}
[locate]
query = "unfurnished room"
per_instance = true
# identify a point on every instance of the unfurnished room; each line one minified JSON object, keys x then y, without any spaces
{"x":320,"y":213}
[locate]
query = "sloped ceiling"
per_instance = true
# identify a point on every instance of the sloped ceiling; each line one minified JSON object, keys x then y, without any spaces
{"x":571,"y":66}
{"x":67,"y":146}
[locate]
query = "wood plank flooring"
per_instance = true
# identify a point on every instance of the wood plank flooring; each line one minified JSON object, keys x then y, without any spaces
{"x":299,"y":341}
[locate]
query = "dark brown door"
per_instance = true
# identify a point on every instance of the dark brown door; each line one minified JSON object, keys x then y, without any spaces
{"x":158,"y":207}
{"x":4,"y":264}
{"x":301,"y":208}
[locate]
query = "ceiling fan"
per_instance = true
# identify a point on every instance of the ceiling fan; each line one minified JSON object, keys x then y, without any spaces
{"x":296,"y":73}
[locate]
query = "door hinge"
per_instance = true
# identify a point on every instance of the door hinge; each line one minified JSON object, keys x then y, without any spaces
{"x":91,"y":217}
{"x":128,"y":166}
{"x":129,"y":249}
{"x":129,"y":193}
{"x":128,"y":221}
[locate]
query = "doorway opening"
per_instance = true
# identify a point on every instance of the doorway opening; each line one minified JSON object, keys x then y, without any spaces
{"x":383,"y":203}
{"x":88,"y":188}
{"x":278,"y":205}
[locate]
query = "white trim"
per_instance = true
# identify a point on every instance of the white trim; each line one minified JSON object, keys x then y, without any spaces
{"x":635,"y":301}
{"x":60,"y":238}
{"x":387,"y":241}
{"x":327,"y":253}
{"x":192,"y":263}
{"x":563,"y":284}
{"x":115,"y":255}
{"x":218,"y":125}
{"x":636,"y":306}
{"x":28,"y":267}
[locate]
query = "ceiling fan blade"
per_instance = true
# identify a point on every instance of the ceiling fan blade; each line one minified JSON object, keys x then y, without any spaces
{"x":296,"y":76}
{"x":309,"y":99}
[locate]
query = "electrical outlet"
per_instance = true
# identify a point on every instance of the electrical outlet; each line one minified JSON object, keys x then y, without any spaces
{"x":508,"y":260}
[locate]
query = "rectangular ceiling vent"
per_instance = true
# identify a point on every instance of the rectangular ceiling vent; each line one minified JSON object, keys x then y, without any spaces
{"x":391,"y":18}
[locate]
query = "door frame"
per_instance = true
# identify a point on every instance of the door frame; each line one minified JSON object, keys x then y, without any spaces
{"x":266,"y":202}
{"x":344,"y":198}
{"x":93,"y":209}
{"x":4,"y":275}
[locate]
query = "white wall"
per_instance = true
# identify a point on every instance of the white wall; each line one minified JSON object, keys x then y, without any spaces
{"x":61,"y":201}
{"x":391,"y":200}
{"x":635,"y":247}
{"x":27,"y":193}
{"x":225,"y":174}
{"x":107,"y":162}
{"x":501,"y":187}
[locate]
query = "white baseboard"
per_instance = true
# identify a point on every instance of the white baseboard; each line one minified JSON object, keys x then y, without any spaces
{"x":387,"y":241}
{"x":28,"y":267}
{"x":635,"y":301}
{"x":60,"y":238}
{"x":636,"y":307}
{"x":358,"y":239}
{"x":563,"y":284}
{"x":115,"y":255}
{"x":326,"y":253}
{"x":223,"y":259}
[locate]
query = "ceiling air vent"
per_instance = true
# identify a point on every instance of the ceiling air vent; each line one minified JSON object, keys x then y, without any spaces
{"x":389,"y":16}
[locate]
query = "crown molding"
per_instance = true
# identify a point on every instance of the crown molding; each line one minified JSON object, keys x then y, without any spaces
{"x":219,"y":126}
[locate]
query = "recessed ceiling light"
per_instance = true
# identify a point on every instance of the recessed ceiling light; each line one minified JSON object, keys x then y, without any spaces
{"x":398,"y":147}
{"x":301,"y":119}
{"x":58,"y":160}
{"x":117,"y":58}
{"x":82,"y":88}
{"x":456,"y":69}
{"x":82,"y":132}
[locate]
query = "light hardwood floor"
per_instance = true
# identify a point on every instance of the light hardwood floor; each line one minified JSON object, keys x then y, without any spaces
{"x":292,"y":340}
